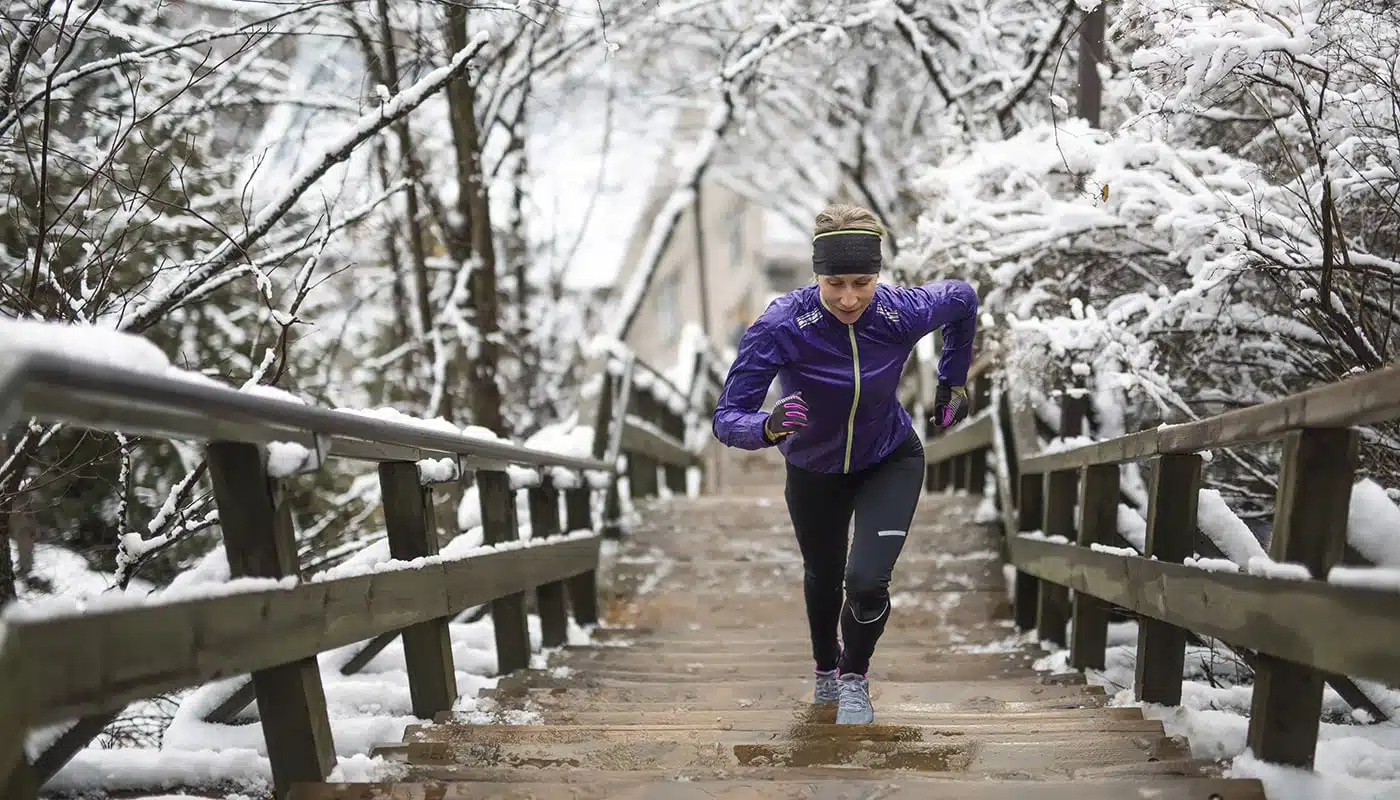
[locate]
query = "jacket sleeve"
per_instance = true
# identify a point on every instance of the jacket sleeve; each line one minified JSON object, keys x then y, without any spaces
{"x":949,"y":306}
{"x":737,"y":421}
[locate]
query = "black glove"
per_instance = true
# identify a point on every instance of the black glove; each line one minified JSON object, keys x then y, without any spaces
{"x":949,"y":405}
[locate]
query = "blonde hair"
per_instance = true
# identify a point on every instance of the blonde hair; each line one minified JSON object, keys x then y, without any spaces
{"x":840,"y":217}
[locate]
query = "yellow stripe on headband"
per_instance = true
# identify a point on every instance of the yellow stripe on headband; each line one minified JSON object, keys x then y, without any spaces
{"x":876,"y":234}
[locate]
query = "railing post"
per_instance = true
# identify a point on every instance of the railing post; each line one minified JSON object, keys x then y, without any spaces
{"x":550,"y":598}
{"x":508,"y":616}
{"x":1098,"y":522}
{"x":583,"y":587}
{"x":977,"y":470}
{"x":1061,"y":490}
{"x":641,"y":468}
{"x":259,"y":542}
{"x":674,"y":424}
{"x":1174,"y":488}
{"x":957,"y":465}
{"x":1310,"y":523}
{"x":1029,"y":508}
{"x":427,"y":646}
{"x":16,"y":776}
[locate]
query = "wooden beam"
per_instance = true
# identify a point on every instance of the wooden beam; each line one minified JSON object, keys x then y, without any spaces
{"x":1052,"y":608}
{"x":1310,"y":523}
{"x":1174,"y":485}
{"x":1360,"y":400}
{"x":583,"y":587}
{"x":508,"y":615}
{"x":1351,"y":630}
{"x":412,"y":530}
{"x":256,"y":520}
{"x":972,"y":434}
{"x":550,"y":598}
{"x":1098,"y":522}
{"x":640,"y":437}
{"x":100,"y":660}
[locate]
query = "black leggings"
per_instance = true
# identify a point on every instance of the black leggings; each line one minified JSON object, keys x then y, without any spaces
{"x":882,"y":498}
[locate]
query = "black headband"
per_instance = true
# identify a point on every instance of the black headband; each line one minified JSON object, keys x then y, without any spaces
{"x":846,"y":252}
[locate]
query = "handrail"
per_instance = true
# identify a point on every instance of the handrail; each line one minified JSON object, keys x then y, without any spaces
{"x":1059,"y":515}
{"x":92,"y":664}
{"x":1359,"y":400}
{"x":60,"y":389}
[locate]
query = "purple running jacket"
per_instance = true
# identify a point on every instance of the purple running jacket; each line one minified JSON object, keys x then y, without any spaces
{"x":847,"y":374}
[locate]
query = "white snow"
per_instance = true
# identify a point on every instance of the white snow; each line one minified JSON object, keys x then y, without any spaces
{"x":1227,"y":531}
{"x":1353,"y":761}
{"x":1373,"y":524}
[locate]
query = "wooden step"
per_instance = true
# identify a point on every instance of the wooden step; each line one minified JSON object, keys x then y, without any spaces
{"x":624,"y":787}
{"x":765,"y":719}
{"x":988,"y":754}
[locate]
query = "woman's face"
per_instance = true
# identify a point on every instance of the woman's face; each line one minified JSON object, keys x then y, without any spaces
{"x":847,"y":296}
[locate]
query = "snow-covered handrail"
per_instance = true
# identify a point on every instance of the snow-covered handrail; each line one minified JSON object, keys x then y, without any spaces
{"x":176,"y":405}
{"x":1298,"y":617}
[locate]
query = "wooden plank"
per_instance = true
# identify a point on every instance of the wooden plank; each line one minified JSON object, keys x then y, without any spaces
{"x":1174,"y":485}
{"x":101,"y":660}
{"x":17,"y":779}
{"x":1052,"y":607}
{"x":260,"y":543}
{"x":1029,"y":509}
{"x":1351,"y":630}
{"x":1098,"y":522}
{"x":973,"y":433}
{"x":508,"y":614}
{"x":550,"y":598}
{"x":1310,"y":523}
{"x":412,"y":532}
{"x":1359,"y":400}
{"x":643,"y":438}
{"x":583,"y":587}
{"x":67,"y":745}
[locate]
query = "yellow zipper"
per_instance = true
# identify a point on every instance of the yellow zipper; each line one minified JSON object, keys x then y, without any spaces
{"x":851,"y":423}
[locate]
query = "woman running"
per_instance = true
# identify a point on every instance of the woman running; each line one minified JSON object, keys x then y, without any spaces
{"x":838,"y":348}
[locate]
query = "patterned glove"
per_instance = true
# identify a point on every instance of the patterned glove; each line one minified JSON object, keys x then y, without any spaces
{"x":789,"y":416}
{"x":949,"y":405}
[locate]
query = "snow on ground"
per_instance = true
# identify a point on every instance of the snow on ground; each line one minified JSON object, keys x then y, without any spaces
{"x":1353,"y":761}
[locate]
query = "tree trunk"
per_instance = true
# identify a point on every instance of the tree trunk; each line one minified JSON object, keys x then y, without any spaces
{"x":484,"y":394}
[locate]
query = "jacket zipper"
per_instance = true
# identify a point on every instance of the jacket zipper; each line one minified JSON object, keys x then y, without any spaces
{"x":855,"y":401}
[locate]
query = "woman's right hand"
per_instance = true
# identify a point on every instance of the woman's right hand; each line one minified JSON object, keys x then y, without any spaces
{"x":789,"y":416}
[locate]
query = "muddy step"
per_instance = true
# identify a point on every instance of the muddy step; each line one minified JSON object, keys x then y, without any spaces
{"x":596,"y":786}
{"x":794,"y":682}
{"x":1006,"y":728}
{"x":991,"y":754}
{"x":1099,"y":718}
{"x":880,"y":670}
{"x":668,"y":611}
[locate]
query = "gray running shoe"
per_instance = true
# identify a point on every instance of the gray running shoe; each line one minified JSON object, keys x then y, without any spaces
{"x":826,"y":691}
{"x":854,"y":704}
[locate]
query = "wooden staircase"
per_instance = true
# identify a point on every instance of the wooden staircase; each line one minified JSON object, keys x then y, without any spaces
{"x":700,"y":685}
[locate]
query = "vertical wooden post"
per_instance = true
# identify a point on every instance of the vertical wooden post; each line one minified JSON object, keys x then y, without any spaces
{"x":1029,"y":505}
{"x":1174,"y":488}
{"x":674,"y":424}
{"x":508,"y":616}
{"x":1310,"y":523}
{"x":1098,"y":523}
{"x":977,"y":471}
{"x":931,"y":477}
{"x":16,"y":776}
{"x":957,"y":464}
{"x":642,"y":469}
{"x":550,"y":598}
{"x":259,"y":542}
{"x":1061,"y":490}
{"x":583,"y":587}
{"x":427,"y":646}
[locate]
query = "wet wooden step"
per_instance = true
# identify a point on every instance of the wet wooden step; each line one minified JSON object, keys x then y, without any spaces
{"x":989,"y":754}
{"x":1006,"y":727}
{"x":681,"y":657}
{"x":622,"y":787}
{"x":758,"y":718}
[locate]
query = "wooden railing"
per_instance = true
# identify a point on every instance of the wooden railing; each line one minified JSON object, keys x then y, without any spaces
{"x":1295,"y":634}
{"x":83,"y":665}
